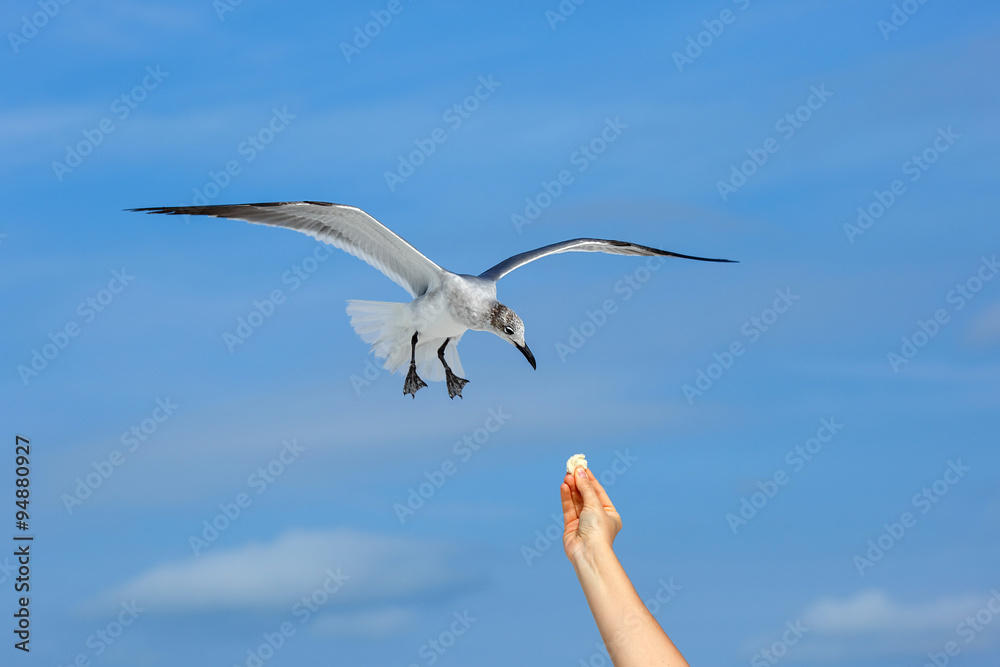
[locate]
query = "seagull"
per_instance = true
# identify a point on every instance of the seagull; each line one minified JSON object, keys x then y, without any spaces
{"x":445,"y":305}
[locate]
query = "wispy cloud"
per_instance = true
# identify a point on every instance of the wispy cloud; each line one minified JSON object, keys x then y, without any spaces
{"x":985,"y":328}
{"x":373,"y":624}
{"x":222,"y":439}
{"x":873,"y":612}
{"x":271,"y":577}
{"x":872,"y":624}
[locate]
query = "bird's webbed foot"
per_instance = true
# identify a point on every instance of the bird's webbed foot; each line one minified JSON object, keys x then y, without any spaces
{"x":412,"y":382}
{"x":454,"y":383}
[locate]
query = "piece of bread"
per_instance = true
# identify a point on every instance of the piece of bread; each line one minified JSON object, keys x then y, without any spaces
{"x":576,"y":461}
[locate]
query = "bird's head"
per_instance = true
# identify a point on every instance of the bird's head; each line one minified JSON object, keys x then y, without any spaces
{"x":505,"y":323}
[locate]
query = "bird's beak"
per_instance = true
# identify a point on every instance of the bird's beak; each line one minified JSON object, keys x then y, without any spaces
{"x":527,"y":354}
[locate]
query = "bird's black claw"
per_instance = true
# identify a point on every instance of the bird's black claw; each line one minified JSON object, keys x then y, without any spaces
{"x":455,"y":384}
{"x":413,"y":382}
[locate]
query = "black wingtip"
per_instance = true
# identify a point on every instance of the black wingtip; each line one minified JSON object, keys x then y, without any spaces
{"x":218,"y":210}
{"x":154,"y":209}
{"x":703,"y":259}
{"x":668,"y":253}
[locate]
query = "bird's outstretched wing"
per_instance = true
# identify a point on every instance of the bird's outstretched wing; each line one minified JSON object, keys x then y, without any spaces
{"x":582,"y":245}
{"x":345,"y":227}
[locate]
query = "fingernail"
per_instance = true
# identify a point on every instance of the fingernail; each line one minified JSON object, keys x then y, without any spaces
{"x":581,"y":472}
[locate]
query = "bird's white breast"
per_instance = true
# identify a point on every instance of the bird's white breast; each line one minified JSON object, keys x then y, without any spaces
{"x":459,"y":304}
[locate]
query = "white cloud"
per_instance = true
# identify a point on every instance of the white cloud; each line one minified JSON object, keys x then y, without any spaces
{"x":240,"y":434}
{"x":872,"y":611}
{"x":871,"y":625}
{"x":273,"y":576}
{"x":375,"y":624}
{"x":985,"y":328}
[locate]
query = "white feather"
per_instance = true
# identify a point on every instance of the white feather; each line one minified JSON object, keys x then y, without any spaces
{"x":388,"y":327}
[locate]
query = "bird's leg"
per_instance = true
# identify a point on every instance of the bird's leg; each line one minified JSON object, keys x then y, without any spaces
{"x":455,"y":383}
{"x":413,"y":381}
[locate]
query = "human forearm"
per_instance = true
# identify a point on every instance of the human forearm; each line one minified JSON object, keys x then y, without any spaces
{"x":632,"y":636}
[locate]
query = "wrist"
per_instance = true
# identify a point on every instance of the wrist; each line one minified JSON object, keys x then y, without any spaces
{"x":594,"y":559}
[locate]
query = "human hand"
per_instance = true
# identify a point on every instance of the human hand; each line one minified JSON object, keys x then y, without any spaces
{"x":631,"y":634}
{"x":591,"y":521}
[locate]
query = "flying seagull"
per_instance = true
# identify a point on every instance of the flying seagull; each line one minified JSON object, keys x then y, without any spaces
{"x":445,"y":305}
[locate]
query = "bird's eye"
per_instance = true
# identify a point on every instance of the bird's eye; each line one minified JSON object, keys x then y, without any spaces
{"x":508,"y":331}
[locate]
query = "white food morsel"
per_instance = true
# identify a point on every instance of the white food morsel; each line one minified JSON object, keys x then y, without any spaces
{"x":576,"y":461}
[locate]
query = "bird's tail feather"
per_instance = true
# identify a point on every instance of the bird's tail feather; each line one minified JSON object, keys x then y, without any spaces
{"x":388,"y":327}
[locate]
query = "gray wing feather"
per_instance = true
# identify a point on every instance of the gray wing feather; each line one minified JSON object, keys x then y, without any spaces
{"x":582,"y":245}
{"x":345,"y":227}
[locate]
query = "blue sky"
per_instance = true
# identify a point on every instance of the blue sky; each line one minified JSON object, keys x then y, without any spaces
{"x":300,"y":452}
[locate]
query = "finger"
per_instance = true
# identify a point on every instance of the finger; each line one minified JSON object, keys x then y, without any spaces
{"x":575,"y":493}
{"x":602,"y":495}
{"x":569,"y":508}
